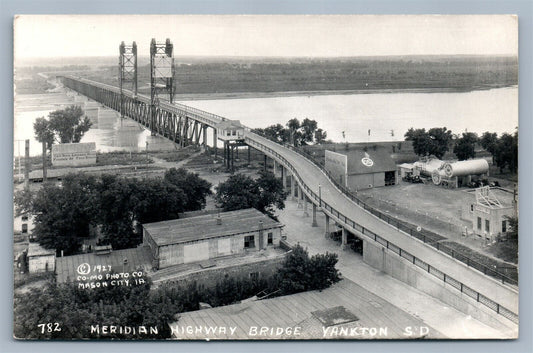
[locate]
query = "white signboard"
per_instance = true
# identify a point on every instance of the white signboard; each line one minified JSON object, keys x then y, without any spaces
{"x":74,"y":154}
{"x":337,"y":164}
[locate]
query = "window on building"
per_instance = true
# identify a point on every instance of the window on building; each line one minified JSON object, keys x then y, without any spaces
{"x":249,"y":241}
{"x":504,"y":226}
{"x":270,"y":239}
{"x":24,"y":228}
{"x":479,"y":223}
{"x":487,"y":226}
{"x":471,"y":208}
{"x":234,"y":132}
{"x":25,"y":218}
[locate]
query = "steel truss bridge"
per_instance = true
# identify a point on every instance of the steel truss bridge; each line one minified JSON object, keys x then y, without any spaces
{"x":186,"y":125}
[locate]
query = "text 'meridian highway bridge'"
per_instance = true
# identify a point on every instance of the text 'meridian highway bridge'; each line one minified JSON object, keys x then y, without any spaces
{"x":386,"y":246}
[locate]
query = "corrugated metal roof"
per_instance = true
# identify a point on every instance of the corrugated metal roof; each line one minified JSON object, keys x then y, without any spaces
{"x":229,"y":123}
{"x":137,"y":257}
{"x":297,"y":311}
{"x":204,"y":227}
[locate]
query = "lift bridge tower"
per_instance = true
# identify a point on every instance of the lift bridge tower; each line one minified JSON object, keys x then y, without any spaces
{"x":161,"y":76}
{"x":127,"y":71}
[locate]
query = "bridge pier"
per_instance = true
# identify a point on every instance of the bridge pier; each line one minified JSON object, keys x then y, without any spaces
{"x":215,"y":141}
{"x":265,"y":163}
{"x":204,"y":137}
{"x":292,"y":190}
{"x":344,"y":243}
{"x":283,"y":178}
{"x":327,"y":235}
{"x":306,"y":214}
{"x":314,"y":224}
{"x":249,"y":155}
{"x":299,"y":196}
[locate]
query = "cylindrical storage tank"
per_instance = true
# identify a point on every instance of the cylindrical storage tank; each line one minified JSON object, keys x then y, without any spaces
{"x":427,"y":168}
{"x":470,"y":167}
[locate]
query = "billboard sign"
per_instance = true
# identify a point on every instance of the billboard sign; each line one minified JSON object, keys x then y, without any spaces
{"x":337,"y":164}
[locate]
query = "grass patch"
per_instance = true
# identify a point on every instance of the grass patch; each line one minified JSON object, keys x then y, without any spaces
{"x":505,"y":250}
{"x":122,"y":158}
{"x":28,"y":278}
{"x":499,"y":266}
{"x":176,"y":155}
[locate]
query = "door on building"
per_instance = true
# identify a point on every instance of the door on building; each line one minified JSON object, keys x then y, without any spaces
{"x":196,"y":252}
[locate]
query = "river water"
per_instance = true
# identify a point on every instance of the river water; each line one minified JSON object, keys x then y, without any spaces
{"x":362,"y":117}
{"x":378,"y":116}
{"x":109,"y":131}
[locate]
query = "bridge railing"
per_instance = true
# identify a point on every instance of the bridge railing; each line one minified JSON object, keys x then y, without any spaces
{"x":421,"y":234}
{"x":463,"y":288}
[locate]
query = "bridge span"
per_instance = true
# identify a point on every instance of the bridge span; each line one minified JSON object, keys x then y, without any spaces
{"x":386,"y":246}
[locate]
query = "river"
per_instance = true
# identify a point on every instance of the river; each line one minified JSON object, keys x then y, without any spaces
{"x":362,"y":117}
{"x":378,"y":116}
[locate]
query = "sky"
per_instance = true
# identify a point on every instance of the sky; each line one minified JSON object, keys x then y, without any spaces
{"x":49,"y":36}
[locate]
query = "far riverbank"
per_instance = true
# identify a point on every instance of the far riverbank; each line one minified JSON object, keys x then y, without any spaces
{"x":246,"y":95}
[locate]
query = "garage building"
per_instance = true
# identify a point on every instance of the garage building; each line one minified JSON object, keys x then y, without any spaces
{"x":211,"y":236}
{"x":360,"y":169}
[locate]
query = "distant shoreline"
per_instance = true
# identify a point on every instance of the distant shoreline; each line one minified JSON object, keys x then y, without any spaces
{"x":252,"y":95}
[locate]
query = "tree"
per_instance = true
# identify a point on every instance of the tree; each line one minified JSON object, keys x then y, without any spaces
{"x":506,"y":154}
{"x":65,"y":214}
{"x":433,"y":142}
{"x":77,"y":309}
{"x":43,"y":132}
{"x":237,"y":192}
{"x":195,"y":188}
{"x":320,"y":136}
{"x":440,"y":139}
{"x":68,"y":214}
{"x":69,"y":124}
{"x":295,"y":134}
{"x":156,"y":200}
{"x":271,"y":193}
{"x":489,"y":141}
{"x":240,"y":192}
{"x":420,"y":141}
{"x":116,"y":212}
{"x":465,"y":146}
{"x":300,"y":273}
{"x":64,"y":125}
{"x":512,"y":222}
{"x":308,"y":128}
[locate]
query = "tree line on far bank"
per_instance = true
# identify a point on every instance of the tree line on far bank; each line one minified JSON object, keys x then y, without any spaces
{"x":437,"y":141}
